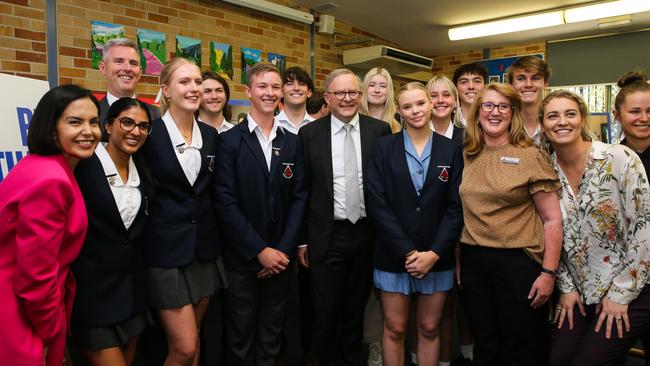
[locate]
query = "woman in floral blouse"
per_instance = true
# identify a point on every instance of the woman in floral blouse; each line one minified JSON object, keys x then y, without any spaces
{"x":604,"y":302}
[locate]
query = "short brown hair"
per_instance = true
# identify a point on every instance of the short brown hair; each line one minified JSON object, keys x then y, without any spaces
{"x":474,"y":140}
{"x":260,"y":68}
{"x":532,"y":63}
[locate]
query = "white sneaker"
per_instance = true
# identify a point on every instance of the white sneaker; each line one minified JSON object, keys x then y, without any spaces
{"x":374,"y":354}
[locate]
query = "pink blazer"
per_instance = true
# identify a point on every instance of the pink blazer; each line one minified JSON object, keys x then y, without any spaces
{"x":42,"y":227}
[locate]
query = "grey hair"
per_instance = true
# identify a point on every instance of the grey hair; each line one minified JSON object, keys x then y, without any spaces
{"x":336,"y":73}
{"x":125,"y":42}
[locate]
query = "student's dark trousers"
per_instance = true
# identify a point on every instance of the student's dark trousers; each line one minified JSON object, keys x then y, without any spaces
{"x":506,"y":330}
{"x":582,"y":346}
{"x":255,"y":314}
{"x":340,"y":286}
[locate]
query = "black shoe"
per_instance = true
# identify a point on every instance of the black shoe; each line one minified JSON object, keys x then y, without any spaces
{"x":462,"y":361}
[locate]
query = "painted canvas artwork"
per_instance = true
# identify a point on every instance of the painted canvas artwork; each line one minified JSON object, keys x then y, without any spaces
{"x":102,"y":32}
{"x":189,"y":48}
{"x":249,"y":57}
{"x":153,"y":54}
{"x":280,"y":61}
{"x":221,"y":59}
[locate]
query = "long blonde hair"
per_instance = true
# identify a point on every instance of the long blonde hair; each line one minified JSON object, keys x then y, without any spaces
{"x":445,"y":81}
{"x":166,"y":75}
{"x":389,"y":108}
{"x":474,"y":140}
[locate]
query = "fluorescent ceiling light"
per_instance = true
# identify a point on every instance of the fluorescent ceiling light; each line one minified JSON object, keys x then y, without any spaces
{"x":509,"y":25}
{"x":605,"y":10}
{"x":275,"y":9}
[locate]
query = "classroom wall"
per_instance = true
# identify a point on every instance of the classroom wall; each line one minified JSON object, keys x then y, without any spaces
{"x":22,"y":36}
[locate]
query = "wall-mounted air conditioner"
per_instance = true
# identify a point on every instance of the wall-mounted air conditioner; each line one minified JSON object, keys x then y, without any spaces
{"x":397,"y":62}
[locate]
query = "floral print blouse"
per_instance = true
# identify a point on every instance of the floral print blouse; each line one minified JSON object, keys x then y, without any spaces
{"x":606,"y":249}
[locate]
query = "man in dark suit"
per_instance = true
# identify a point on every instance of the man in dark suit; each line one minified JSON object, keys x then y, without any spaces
{"x":338,"y":235}
{"x":261,"y":198}
{"x":120,"y":65}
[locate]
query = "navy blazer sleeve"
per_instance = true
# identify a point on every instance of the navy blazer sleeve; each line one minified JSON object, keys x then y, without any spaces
{"x":293,"y":230}
{"x":232,"y":218}
{"x":387,"y":225}
{"x":452,"y":221}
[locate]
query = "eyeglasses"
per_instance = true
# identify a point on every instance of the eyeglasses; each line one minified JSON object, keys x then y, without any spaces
{"x":502,"y":107}
{"x":128,"y":124}
{"x":340,"y":94}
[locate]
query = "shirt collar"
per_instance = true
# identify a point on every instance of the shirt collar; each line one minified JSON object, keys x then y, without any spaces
{"x":598,"y":150}
{"x":410,"y":148}
{"x":110,"y":98}
{"x":175,"y":133}
{"x":111,"y":171}
{"x":282,"y":117}
{"x":337,"y":124}
{"x":252,"y":125}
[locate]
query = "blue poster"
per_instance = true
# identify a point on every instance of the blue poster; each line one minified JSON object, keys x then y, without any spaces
{"x":498,"y":67}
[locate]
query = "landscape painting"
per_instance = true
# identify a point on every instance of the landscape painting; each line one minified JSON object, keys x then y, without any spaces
{"x":152,"y":51}
{"x":189,"y":48}
{"x":102,"y":32}
{"x":280,"y":61}
{"x":249,"y":57}
{"x":221,"y":59}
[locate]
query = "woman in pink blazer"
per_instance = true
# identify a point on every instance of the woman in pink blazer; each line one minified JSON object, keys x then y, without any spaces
{"x":42,"y":227}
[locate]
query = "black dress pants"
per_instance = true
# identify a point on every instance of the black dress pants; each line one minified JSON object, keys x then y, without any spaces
{"x":340,"y":287}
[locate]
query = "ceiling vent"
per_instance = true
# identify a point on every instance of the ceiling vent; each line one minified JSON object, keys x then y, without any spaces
{"x":398,"y":63}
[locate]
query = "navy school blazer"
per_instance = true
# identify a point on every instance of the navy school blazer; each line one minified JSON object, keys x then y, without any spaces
{"x":110,"y":271}
{"x":183,"y":222}
{"x":405,"y":221}
{"x":258,"y":208}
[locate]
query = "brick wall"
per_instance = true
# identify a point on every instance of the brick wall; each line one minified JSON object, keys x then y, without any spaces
{"x":446,"y":64}
{"x":22,"y":36}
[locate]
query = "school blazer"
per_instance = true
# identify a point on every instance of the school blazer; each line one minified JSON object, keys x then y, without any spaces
{"x":154,"y":112}
{"x":403,"y":220}
{"x":182,"y":220}
{"x":317,"y":145}
{"x":258,"y":208}
{"x":110,"y":270}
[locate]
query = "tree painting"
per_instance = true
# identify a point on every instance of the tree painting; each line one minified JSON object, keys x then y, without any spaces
{"x":280,"y":61}
{"x":221,"y":59}
{"x":102,"y":32}
{"x":189,"y":48}
{"x":249,"y":57}
{"x":152,"y":51}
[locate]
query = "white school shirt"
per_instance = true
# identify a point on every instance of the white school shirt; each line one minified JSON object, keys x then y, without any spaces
{"x":190,"y":158}
{"x":338,"y":168}
{"x":283,"y":120}
{"x":265,"y":144}
{"x":127,"y":195}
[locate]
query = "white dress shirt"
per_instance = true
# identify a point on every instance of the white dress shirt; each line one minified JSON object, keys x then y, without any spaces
{"x":338,"y":168}
{"x":450,"y":129}
{"x":283,"y":120}
{"x":188,"y":156}
{"x":225,"y":126}
{"x":265,"y":144}
{"x":127,"y":195}
{"x":110,"y":98}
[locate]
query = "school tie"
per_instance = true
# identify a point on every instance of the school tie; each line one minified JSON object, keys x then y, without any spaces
{"x":352,"y":194}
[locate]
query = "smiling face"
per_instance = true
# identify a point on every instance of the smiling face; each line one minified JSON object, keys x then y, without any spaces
{"x":377,"y":90}
{"x":562,"y":122}
{"x":121,"y":68}
{"x":495,"y":124}
{"x":127,"y":142}
{"x":77,"y":130}
{"x":443,"y":101}
{"x":634,"y":116}
{"x":214,"y":96}
{"x":184,"y":88}
{"x":468,"y":86}
{"x":296,"y":93}
{"x":346,"y":108}
{"x":415,"y":108}
{"x":264,"y":92}
{"x":529,"y":84}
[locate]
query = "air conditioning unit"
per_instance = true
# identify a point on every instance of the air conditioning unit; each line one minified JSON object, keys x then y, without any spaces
{"x":398,"y":63}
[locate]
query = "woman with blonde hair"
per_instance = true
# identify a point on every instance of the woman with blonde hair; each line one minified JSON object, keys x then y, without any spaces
{"x":511,"y":242}
{"x":605,"y":265}
{"x":377,"y":99}
{"x":444,"y":100}
{"x":413,"y":180}
{"x":182,"y":252}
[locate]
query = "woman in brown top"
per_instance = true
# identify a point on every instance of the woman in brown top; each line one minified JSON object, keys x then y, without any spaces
{"x":512,"y":237}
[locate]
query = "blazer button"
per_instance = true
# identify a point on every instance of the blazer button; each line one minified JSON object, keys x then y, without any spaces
{"x":418,"y":209}
{"x":194,"y":221}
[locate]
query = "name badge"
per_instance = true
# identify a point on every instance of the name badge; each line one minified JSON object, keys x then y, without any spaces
{"x":509,"y":160}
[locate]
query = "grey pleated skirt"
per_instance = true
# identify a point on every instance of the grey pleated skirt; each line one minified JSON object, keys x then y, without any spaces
{"x":118,"y":335}
{"x":171,"y":288}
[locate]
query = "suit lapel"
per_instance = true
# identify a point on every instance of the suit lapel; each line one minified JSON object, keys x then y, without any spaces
{"x":366,"y":140}
{"x":326,"y":153}
{"x":170,"y":157}
{"x":105,"y":195}
{"x":432,"y":165}
{"x":250,"y":139}
{"x":402,"y":168}
{"x":278,"y":145}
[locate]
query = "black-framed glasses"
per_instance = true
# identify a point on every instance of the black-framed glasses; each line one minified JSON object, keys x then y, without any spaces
{"x":502,"y":107}
{"x":128,"y":124}
{"x":340,"y":94}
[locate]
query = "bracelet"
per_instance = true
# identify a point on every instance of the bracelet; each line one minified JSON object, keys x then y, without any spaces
{"x":549,"y":271}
